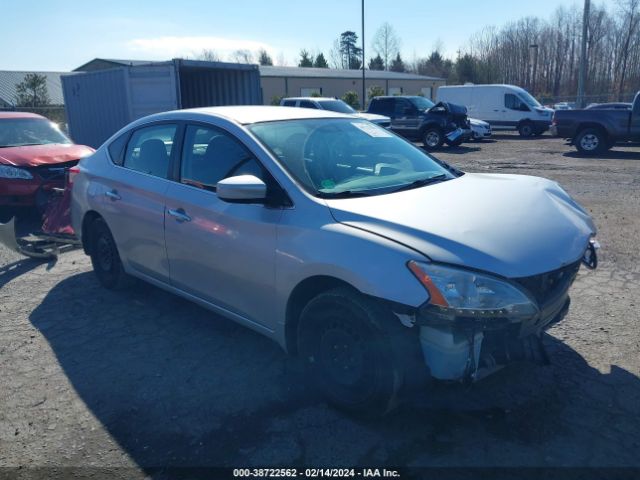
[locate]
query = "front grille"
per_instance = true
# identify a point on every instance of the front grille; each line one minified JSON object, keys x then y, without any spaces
{"x":53,"y":172}
{"x":549,"y":286}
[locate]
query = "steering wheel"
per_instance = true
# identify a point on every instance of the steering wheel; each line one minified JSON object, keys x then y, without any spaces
{"x":322,"y":150}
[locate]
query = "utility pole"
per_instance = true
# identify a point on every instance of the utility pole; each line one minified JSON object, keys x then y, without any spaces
{"x":364,"y":90}
{"x":582,"y":74}
{"x":535,"y":68}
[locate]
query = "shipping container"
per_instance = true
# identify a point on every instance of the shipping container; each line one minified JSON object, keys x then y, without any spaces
{"x":99,"y":103}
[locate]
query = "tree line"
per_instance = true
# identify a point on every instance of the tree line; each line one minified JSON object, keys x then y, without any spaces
{"x":541,"y":55}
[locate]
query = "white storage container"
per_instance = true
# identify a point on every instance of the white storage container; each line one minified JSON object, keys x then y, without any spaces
{"x":446,"y":357}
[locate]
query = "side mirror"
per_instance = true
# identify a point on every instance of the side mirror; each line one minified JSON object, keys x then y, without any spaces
{"x":242,"y":189}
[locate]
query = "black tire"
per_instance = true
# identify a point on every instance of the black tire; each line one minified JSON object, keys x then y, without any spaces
{"x":432,"y":138}
{"x":590,"y":141}
{"x":356,"y":352}
{"x":526,"y":130}
{"x":105,"y":257}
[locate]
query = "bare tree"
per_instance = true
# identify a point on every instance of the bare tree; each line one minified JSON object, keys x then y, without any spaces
{"x":386,"y":44}
{"x":208,"y":55}
{"x":242,"y":56}
{"x":629,"y":18}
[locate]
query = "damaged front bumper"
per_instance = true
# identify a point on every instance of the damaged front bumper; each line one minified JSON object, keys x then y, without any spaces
{"x":468,"y":348}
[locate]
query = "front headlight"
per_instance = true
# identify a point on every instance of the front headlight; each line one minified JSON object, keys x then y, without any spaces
{"x":471,"y":294}
{"x":12,"y":172}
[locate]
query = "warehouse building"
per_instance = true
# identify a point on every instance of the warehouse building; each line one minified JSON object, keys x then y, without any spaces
{"x":9,"y":81}
{"x":279,"y":82}
{"x":329,"y":82}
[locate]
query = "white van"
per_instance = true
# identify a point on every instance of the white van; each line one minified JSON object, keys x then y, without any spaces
{"x":503,"y":106}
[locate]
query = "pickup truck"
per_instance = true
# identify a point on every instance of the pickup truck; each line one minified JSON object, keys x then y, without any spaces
{"x":593,"y":131}
{"x":418,"y":118}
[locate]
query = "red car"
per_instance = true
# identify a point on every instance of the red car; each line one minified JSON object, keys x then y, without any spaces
{"x":34,"y":158}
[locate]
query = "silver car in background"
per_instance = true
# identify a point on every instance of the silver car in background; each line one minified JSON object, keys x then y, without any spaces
{"x":375,"y":263}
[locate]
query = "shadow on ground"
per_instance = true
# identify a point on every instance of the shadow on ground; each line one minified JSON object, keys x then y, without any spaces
{"x":610,"y":154}
{"x":176,"y":385}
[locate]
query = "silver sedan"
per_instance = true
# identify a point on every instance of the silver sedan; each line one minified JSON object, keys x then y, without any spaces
{"x":375,"y":263}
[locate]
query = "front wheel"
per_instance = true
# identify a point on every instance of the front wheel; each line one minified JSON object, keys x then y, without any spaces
{"x":591,"y":141}
{"x":432,"y":138}
{"x":345,"y":343}
{"x":105,"y":257}
{"x":525,"y":129}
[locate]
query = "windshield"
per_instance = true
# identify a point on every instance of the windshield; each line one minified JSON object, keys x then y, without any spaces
{"x":422,"y":103}
{"x":347,"y":157}
{"x":18,"y":132}
{"x":337,"y":106}
{"x":528,"y":99}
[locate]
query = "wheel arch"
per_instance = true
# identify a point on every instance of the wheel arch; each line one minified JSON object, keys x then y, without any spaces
{"x":598,"y":126}
{"x":87,"y":220}
{"x":302,"y":294}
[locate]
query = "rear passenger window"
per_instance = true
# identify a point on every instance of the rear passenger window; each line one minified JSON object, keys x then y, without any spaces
{"x":307,"y":104}
{"x":289,"y":103}
{"x":210,"y":155}
{"x":116,"y":148}
{"x":149,"y":150}
{"x":382,"y":106}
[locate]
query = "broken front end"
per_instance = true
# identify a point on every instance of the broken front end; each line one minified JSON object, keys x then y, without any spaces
{"x":475,"y":324}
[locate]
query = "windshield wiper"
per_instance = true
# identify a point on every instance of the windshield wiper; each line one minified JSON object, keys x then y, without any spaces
{"x":345,"y":194}
{"x":423,"y":182}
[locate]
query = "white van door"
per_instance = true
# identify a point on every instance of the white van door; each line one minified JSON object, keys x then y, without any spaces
{"x":487,"y":104}
{"x":515,"y":109}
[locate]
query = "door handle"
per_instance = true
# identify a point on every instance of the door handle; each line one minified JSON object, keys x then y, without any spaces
{"x":179,"y":215}
{"x":113,"y":195}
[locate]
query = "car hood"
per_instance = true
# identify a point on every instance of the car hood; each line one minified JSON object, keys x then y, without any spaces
{"x":372,"y":117}
{"x":510,"y":225}
{"x":35,"y":155}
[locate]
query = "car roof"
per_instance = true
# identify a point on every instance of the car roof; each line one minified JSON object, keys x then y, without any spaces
{"x":313,"y":99}
{"x":19,"y":115}
{"x":247,"y":114}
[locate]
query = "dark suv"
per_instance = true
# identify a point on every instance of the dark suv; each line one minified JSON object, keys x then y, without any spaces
{"x":417,"y":118}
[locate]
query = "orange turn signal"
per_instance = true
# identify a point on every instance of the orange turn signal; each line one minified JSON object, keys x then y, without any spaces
{"x":436,"y":298}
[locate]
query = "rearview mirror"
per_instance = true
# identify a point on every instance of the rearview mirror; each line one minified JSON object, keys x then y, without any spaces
{"x":241,"y":189}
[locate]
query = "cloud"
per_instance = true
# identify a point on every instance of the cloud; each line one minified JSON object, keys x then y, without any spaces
{"x":173,"y":46}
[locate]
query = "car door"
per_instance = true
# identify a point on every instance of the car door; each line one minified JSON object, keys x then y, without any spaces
{"x":405,"y":117}
{"x":223,"y":253}
{"x":133,"y":204}
{"x":634,"y":119}
{"x":514,"y":109}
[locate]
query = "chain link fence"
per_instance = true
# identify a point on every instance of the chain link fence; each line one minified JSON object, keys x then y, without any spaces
{"x":588,"y":99}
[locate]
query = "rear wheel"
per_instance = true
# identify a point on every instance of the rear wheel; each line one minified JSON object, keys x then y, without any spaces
{"x":590,"y":141}
{"x":525,"y":129}
{"x":105,"y":257}
{"x":432,"y":138}
{"x":353,"y":351}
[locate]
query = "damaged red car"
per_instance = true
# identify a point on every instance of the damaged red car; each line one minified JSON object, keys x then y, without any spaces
{"x":34,"y":158}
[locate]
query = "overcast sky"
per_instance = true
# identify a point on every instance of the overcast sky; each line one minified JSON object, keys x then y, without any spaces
{"x":63,"y":34}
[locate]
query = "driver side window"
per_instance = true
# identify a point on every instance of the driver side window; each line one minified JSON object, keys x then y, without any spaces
{"x":512,"y":102}
{"x":210,"y":155}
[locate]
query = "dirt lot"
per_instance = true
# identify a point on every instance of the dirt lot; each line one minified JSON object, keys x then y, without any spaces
{"x":141,"y":379}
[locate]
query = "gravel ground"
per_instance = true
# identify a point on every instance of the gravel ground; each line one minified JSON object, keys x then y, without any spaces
{"x":139,"y":379}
